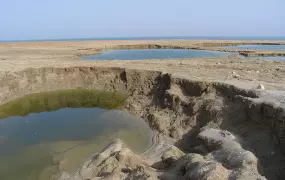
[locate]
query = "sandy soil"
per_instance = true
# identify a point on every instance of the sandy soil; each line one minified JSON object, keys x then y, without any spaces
{"x":234,"y":69}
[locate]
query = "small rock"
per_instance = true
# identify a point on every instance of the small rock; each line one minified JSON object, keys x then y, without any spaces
{"x":248,"y":173}
{"x":260,"y":86}
{"x":214,"y":138}
{"x":236,"y":76}
{"x":140,"y":172}
{"x":176,"y":133}
{"x":234,"y":158}
{"x":185,"y":161}
{"x":64,"y":175}
{"x":192,"y":158}
{"x":257,"y":71}
{"x":171,"y":155}
{"x":200,"y":149}
{"x":206,"y":171}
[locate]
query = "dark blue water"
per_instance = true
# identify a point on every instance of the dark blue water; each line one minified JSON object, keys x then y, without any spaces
{"x":257,"y":47}
{"x":29,"y":145}
{"x":140,"y":54}
{"x":161,"y":38}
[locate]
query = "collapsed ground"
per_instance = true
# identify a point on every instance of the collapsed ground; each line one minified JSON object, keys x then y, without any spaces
{"x":178,"y":98}
{"x":175,"y":107}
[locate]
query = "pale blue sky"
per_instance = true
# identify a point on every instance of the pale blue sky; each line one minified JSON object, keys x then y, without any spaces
{"x":37,"y":19}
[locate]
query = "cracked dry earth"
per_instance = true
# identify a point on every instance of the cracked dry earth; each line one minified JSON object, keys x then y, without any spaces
{"x":210,"y":121}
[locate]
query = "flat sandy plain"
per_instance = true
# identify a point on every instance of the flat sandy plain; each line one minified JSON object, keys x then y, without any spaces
{"x":16,"y":56}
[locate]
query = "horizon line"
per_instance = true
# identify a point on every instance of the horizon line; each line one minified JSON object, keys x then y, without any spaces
{"x":147,"y":38}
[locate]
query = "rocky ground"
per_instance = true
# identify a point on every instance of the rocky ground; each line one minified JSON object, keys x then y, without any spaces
{"x":222,"y":158}
{"x":216,"y":118}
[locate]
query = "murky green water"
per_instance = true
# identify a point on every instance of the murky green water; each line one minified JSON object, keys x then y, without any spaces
{"x":40,"y":145}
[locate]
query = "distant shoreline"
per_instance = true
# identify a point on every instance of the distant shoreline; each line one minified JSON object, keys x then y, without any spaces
{"x":158,"y":38}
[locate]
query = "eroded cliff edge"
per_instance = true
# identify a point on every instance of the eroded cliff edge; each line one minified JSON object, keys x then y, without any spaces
{"x":178,"y":109}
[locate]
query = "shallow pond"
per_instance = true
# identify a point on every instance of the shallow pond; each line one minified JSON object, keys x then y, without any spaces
{"x":140,"y":54}
{"x":256,"y":47}
{"x":42,"y":144}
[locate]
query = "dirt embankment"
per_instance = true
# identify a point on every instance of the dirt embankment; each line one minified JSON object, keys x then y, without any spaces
{"x":208,"y":46}
{"x":178,"y":109}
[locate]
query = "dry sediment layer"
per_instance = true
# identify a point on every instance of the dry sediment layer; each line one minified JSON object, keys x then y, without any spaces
{"x":177,"y":108}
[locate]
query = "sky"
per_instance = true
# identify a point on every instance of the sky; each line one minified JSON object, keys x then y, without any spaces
{"x":57,"y":19}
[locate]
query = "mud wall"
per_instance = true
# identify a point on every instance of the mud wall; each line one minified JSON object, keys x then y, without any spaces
{"x":176,"y":108}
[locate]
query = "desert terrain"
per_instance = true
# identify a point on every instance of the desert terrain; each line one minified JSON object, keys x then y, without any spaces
{"x":214,"y":118}
{"x":234,"y":69}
